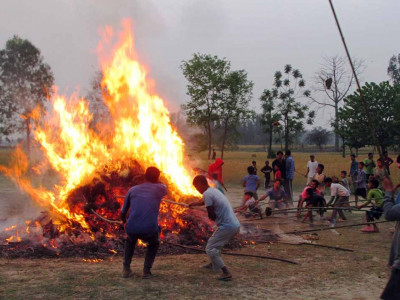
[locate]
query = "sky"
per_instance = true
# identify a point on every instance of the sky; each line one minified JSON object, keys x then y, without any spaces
{"x":259,"y":36}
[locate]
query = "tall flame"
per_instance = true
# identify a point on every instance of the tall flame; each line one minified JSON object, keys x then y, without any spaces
{"x":141,"y":131}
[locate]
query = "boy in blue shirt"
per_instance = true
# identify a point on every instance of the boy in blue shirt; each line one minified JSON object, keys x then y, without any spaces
{"x":251,"y":182}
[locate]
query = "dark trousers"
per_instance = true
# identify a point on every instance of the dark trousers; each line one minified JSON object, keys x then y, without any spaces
{"x":392,"y":289}
{"x":152,"y":241}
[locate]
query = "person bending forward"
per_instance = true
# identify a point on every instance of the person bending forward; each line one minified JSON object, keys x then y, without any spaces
{"x":219,"y":210}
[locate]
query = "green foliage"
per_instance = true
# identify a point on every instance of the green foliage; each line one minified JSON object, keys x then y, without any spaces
{"x":393,"y":69}
{"x":383,"y":102}
{"x":318,"y":136}
{"x":289,"y":86}
{"x":25,"y":83}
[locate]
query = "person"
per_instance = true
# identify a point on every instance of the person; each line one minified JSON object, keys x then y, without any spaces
{"x":387,"y":161}
{"x":219,"y":210}
{"x":278,"y":173}
{"x":343,"y":181}
{"x":254,"y":164}
{"x":339,"y":191}
{"x":369,"y":165}
{"x":313,"y":200}
{"x":314,"y":186}
{"x":216,"y":168}
{"x":360,"y":187}
{"x":251,"y":182}
{"x":277,"y":196}
{"x":250,"y":204}
{"x":380,"y":172}
{"x":267,"y":173}
{"x":376,"y":195}
{"x":217,"y":184}
{"x":280,"y":161}
{"x":312,"y":165}
{"x":320,"y":177}
{"x":391,"y":210}
{"x":214,"y":155}
{"x":290,"y":169}
{"x":143,"y":202}
{"x":353,"y":168}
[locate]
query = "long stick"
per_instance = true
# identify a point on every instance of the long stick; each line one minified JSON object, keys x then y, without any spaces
{"x":104,"y":219}
{"x":165,"y":200}
{"x":319,"y":245}
{"x":235,"y":254}
{"x":336,"y":227}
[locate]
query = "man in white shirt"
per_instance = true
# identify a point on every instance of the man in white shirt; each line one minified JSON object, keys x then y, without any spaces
{"x":342,"y":194}
{"x":311,"y":169}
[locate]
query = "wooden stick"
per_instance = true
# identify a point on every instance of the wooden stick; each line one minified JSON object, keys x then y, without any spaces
{"x":107,"y":220}
{"x":235,"y":254}
{"x":165,"y":200}
{"x":336,"y":227}
{"x":318,"y":245}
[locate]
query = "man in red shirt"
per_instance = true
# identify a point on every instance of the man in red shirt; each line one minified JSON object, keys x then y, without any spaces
{"x":216,"y":168}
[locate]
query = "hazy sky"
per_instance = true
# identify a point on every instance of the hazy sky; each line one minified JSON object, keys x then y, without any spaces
{"x":258,"y":36}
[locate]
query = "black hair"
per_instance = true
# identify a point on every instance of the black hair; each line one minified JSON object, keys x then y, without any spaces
{"x":385,"y":152}
{"x":250,"y":170}
{"x":200,"y":180}
{"x":328,"y":180}
{"x":344,"y":172}
{"x":370,"y":154}
{"x":277,"y":180}
{"x":353,"y":155}
{"x":375,"y":183}
{"x":398,"y":159}
{"x":279,"y":152}
{"x":253,"y":162}
{"x":309,"y":191}
{"x":362,"y":163}
{"x":321,"y":166}
{"x":288,"y":152}
{"x":267,"y":162}
{"x":249,"y":194}
{"x":152,"y":174}
{"x":316,"y":182}
{"x":380,"y":160}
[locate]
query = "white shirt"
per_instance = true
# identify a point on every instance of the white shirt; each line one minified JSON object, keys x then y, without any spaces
{"x":312,"y":168}
{"x":339,"y":190}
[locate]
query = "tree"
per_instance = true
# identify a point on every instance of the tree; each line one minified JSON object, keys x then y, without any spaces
{"x":383,"y":101}
{"x":206,"y":81}
{"x":269,"y":118}
{"x":25,"y":84}
{"x":233,"y":106}
{"x":288,"y":87}
{"x":318,"y":136}
{"x":334,"y":81}
{"x":393,"y":69}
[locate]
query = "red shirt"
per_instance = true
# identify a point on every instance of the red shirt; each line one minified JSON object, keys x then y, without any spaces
{"x":216,"y":168}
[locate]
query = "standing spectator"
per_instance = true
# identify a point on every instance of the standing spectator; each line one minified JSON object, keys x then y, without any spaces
{"x":320,"y":177}
{"x":311,"y":169}
{"x":251,"y":182}
{"x":290,"y":168}
{"x":360,"y":187}
{"x":380,"y":172}
{"x":214,"y":155}
{"x":267,"y":173}
{"x":216,"y":168}
{"x":280,"y":161}
{"x":254,"y":164}
{"x":353,"y":168}
{"x":278,"y":173}
{"x":369,"y":165}
{"x":388,"y":161}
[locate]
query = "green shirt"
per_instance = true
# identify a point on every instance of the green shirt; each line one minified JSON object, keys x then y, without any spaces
{"x":369,"y":169}
{"x":377,"y":196}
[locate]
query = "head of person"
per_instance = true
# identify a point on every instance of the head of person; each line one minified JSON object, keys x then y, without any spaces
{"x":385,"y":154}
{"x":352,"y":157}
{"x":251,"y":170}
{"x":309,"y":192}
{"x":343,"y":174}
{"x":370,"y":155}
{"x":254,"y":163}
{"x":312,"y":157}
{"x":314,"y":184}
{"x":248,"y":195}
{"x":276,"y":167}
{"x":361,"y":165}
{"x":288,"y":153}
{"x":219,"y":162}
{"x":320,"y":168}
{"x":152,"y":174}
{"x":379,"y":163}
{"x":200,"y":183}
{"x":328,"y":181}
{"x":267,"y":162}
{"x":335,"y":179}
{"x":373,"y":183}
{"x":279,"y":154}
{"x":277,"y":184}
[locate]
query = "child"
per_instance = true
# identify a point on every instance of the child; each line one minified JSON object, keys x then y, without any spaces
{"x":267,"y":173}
{"x":339,"y":191}
{"x":344,"y":180}
{"x":376,"y":195}
{"x":359,"y":183}
{"x":251,"y":182}
{"x":314,"y":186}
{"x":313,"y":200}
{"x":278,"y":173}
{"x":250,"y":204}
{"x":320,"y":177}
{"x":276,"y":196}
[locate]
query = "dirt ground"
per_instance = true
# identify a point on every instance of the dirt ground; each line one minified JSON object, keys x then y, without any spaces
{"x":321,"y":273}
